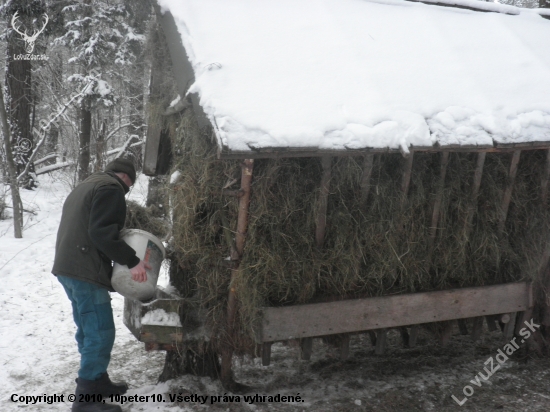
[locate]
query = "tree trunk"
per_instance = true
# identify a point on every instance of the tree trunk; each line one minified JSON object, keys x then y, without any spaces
{"x":19,"y":104}
{"x":100,"y":148}
{"x":12,"y":172}
{"x":84,"y":140}
{"x":544,"y":4}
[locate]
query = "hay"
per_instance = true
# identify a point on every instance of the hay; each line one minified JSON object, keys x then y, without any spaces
{"x":144,"y":218}
{"x":375,"y":248}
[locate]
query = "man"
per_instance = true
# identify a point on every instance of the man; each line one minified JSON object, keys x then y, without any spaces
{"x":87,"y":242}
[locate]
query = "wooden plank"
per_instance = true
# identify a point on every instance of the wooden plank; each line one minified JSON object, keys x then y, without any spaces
{"x":472,"y":206}
{"x":381,"y":341}
{"x":344,"y":347}
{"x":357,"y":315}
{"x":306,"y":347}
{"x":477,"y":328}
{"x":326,"y":163}
{"x":509,"y":327}
{"x":294,"y":152}
{"x":266,"y":353}
{"x":509,"y":188}
{"x":413,"y":335}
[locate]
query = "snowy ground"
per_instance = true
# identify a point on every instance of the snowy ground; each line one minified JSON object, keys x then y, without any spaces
{"x":38,"y":353}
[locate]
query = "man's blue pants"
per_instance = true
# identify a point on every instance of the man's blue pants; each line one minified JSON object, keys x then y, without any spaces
{"x":95,"y":332}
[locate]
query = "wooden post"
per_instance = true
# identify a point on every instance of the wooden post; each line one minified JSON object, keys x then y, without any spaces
{"x":365,"y":179}
{"x":509,"y":327}
{"x":306,"y":347}
{"x":372,"y":337}
{"x":266,"y":353}
{"x":344,"y":347}
{"x":491,"y":323}
{"x":381,"y":340}
{"x":413,"y":335}
{"x":463,"y":327}
{"x":509,"y":187}
{"x":446,"y":332}
{"x":477,"y":328}
{"x":404,"y":336}
{"x":326,"y":162}
{"x":240,"y":236}
{"x":475,"y":192}
{"x":437,"y":205}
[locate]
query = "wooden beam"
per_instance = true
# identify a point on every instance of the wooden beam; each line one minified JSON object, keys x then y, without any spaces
{"x":281,"y":153}
{"x":240,"y":237}
{"x":326,"y":163}
{"x":509,"y":188}
{"x":472,"y":206}
{"x":356,"y":315}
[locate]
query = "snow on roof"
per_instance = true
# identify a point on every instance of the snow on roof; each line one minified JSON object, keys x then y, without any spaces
{"x":353,"y":74}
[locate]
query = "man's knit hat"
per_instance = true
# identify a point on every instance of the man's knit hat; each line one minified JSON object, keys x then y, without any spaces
{"x":122,"y":166}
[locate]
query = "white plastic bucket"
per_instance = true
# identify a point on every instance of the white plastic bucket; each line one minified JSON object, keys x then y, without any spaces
{"x":149,"y":249}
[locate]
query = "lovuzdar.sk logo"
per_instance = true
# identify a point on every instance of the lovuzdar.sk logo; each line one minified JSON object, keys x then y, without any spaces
{"x":29,"y":39}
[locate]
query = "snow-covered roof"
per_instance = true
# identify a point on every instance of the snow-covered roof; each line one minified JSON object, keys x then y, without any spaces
{"x":354,"y":74}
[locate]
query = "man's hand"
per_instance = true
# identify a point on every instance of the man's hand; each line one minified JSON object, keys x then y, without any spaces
{"x":138,"y":272}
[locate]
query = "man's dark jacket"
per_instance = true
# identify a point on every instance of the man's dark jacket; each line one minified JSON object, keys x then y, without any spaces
{"x":88,"y":235}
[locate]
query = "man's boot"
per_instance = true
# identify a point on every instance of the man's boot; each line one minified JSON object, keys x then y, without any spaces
{"x":88,"y":398}
{"x":106,"y":388}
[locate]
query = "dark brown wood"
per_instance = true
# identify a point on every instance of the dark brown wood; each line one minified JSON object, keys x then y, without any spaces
{"x":365,"y":178}
{"x":381,"y":341}
{"x":404,"y":336}
{"x":472,"y":205}
{"x":240,"y":237}
{"x":463,"y":327}
{"x":491,"y":323}
{"x":280,"y":153}
{"x":509,"y":327}
{"x":413,"y":335}
{"x":319,"y":319}
{"x":446,"y":332}
{"x":477,"y":327}
{"x":326,"y":163}
{"x":344,"y":347}
{"x":306,"y":348}
{"x":266,"y":353}
{"x":545,"y":178}
{"x":509,"y":188}
{"x":372,"y":336}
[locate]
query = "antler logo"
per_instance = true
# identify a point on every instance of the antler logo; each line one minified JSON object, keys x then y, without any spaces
{"x":29,"y":40}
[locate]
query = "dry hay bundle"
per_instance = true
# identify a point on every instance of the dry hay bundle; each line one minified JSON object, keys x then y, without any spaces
{"x":377,"y":247}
